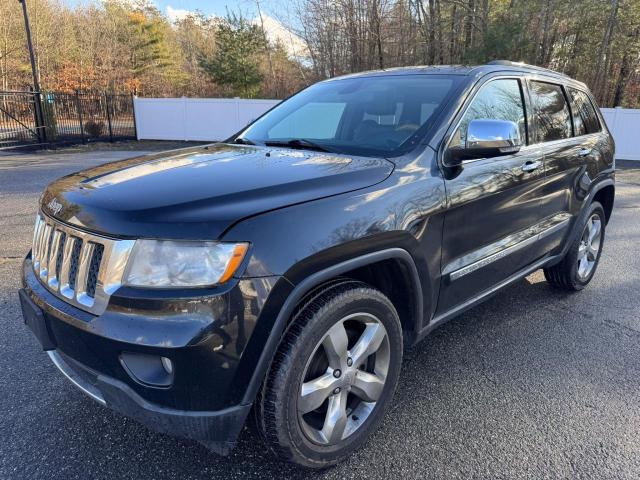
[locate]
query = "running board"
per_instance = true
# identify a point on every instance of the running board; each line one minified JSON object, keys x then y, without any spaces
{"x":481,"y":297}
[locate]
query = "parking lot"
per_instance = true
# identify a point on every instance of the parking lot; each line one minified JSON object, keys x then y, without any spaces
{"x":531,"y":384}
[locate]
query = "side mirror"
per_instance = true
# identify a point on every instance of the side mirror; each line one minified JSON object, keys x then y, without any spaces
{"x":485,"y":139}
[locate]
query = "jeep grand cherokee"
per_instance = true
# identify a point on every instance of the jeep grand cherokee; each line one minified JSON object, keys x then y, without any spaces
{"x":284,"y":270}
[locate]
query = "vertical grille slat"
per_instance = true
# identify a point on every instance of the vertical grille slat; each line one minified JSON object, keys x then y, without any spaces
{"x":86,"y":255}
{"x":46,"y":244}
{"x":66,"y":287}
{"x":54,"y":245}
{"x":94,"y":268}
{"x":81,"y":268}
{"x":36,"y":242}
{"x":75,"y":260}
{"x":38,"y":247}
{"x":63,"y":238}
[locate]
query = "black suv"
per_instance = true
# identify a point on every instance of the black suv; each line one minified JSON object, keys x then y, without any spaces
{"x":284,"y":270}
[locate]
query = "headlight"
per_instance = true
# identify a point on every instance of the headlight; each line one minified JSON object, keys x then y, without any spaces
{"x":163,"y":263}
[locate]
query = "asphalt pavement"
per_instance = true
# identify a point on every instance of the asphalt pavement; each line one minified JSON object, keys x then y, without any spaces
{"x":531,"y":384}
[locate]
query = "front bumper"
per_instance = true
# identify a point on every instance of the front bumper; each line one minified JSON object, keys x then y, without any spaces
{"x":211,"y":340}
{"x":216,"y":430}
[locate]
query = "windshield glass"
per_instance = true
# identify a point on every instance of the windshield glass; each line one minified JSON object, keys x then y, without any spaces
{"x":361,"y":116}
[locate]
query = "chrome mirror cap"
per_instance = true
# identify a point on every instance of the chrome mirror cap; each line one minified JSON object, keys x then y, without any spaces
{"x":501,"y":135}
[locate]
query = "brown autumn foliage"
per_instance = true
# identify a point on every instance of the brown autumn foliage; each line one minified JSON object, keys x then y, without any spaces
{"x":125,"y":47}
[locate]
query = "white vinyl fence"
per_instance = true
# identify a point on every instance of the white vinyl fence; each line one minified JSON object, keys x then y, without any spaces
{"x":202,"y":119}
{"x":211,"y":119}
{"x":624,"y":124}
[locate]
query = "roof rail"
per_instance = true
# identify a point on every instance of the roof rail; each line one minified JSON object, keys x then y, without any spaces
{"x":509,"y":63}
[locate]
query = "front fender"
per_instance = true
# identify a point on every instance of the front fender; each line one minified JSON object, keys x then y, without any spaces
{"x":285,"y":312}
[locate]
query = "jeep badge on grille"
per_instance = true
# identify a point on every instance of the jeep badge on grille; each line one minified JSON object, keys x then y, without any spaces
{"x":54,"y":206}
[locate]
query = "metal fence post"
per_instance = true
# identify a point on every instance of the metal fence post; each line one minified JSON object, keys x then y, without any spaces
{"x":41,"y":127}
{"x":106,"y":104}
{"x":40,"y":124}
{"x":79,"y":108}
{"x":135,"y":120}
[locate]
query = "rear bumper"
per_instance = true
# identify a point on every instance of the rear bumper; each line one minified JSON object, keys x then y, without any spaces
{"x":216,"y":430}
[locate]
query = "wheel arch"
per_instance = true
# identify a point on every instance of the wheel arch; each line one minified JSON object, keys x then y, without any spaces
{"x":353,"y":268}
{"x":604,"y":189}
{"x":606,"y":195}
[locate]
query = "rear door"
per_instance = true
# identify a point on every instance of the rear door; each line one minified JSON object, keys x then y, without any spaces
{"x":561,"y":133}
{"x":493,"y":219}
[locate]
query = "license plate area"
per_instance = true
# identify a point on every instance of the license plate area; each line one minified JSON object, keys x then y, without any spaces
{"x":35,"y":320}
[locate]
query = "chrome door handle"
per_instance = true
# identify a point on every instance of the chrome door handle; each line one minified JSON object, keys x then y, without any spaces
{"x":584,"y":152}
{"x":531,"y":166}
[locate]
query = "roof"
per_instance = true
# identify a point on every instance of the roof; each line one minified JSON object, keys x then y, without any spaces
{"x":466,"y":70}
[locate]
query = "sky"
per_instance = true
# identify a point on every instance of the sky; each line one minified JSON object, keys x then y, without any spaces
{"x":271,"y":9}
{"x":209,"y":7}
{"x":177,"y":8}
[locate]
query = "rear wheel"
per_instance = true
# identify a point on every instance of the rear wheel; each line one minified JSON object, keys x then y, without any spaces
{"x":333,"y":376}
{"x":579,"y":265}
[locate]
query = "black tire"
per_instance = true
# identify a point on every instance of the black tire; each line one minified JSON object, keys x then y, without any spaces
{"x":564,"y":275}
{"x":277,"y":415}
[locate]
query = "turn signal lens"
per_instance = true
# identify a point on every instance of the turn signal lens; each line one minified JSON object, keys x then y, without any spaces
{"x":236,"y":259}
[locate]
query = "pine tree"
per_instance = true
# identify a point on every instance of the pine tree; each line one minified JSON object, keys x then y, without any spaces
{"x":235,"y":63}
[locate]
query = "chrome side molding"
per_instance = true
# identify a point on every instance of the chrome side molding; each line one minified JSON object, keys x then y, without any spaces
{"x":506,"y":246}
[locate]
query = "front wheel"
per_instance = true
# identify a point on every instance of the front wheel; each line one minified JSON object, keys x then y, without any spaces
{"x":333,"y":376}
{"x":579,"y":264}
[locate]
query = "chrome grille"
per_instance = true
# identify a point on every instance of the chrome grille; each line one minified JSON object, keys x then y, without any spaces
{"x":81,"y":268}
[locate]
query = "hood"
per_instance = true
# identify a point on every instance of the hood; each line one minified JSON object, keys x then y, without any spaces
{"x":198,"y":193}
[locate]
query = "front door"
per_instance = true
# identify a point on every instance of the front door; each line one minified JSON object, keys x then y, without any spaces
{"x":493,"y":221}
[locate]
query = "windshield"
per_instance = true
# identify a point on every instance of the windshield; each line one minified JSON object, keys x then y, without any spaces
{"x":379,"y":116}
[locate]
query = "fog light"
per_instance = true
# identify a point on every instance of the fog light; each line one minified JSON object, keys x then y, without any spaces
{"x":149,"y":370}
{"x":167,"y":364}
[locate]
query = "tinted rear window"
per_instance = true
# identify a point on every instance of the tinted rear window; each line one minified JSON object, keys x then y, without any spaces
{"x":585,"y":120}
{"x":553,"y":120}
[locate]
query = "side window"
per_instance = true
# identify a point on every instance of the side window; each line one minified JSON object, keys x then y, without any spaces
{"x":553,"y":119}
{"x":585,"y":120}
{"x":497,"y":100}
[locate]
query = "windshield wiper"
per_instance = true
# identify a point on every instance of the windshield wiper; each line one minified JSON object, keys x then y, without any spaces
{"x":243,"y":141}
{"x":301,"y":143}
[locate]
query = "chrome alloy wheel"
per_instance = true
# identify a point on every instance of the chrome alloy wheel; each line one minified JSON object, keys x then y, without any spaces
{"x":589,"y":246}
{"x":343,"y":379}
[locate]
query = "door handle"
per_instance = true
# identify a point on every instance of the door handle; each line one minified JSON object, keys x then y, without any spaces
{"x":584,"y":152}
{"x":531,"y":166}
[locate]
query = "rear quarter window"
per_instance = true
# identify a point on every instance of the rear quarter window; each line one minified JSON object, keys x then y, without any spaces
{"x":585,"y":119}
{"x":553,"y":119}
